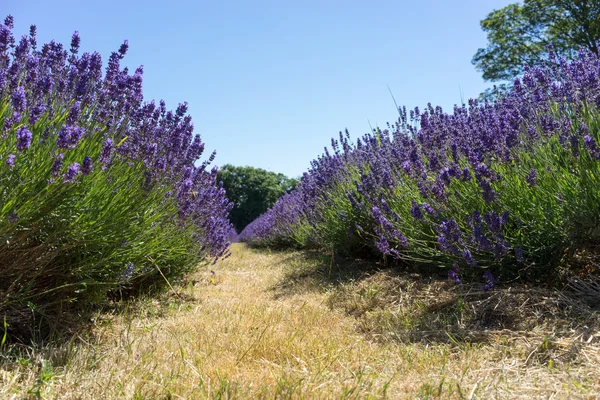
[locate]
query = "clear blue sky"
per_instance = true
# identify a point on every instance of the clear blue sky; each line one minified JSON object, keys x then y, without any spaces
{"x":270,"y":82}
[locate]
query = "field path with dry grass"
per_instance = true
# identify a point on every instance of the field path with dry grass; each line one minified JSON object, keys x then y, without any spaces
{"x":263,"y":325}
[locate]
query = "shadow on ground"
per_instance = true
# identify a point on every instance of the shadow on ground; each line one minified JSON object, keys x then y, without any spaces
{"x":390,"y":304}
{"x":310,"y":271}
{"x":33,"y":331}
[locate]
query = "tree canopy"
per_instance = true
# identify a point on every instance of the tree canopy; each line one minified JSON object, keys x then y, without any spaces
{"x":521,"y":34}
{"x":253,"y":191}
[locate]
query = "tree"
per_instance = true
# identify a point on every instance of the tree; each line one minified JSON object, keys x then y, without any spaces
{"x":253,"y":191}
{"x":520,"y":34}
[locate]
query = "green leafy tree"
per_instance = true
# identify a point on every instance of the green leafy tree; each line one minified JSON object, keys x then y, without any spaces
{"x":520,"y":34}
{"x":253,"y":191}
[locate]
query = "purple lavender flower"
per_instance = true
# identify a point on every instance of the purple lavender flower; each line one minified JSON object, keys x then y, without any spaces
{"x":18,"y":99}
{"x":383,"y":245}
{"x":69,"y":136}
{"x":574,"y":140}
{"x":445,"y":174}
{"x":123,"y":49}
{"x":184,"y":189}
{"x":489,"y":194}
{"x":11,"y":121}
{"x":590,"y":143}
{"x":32,"y":35}
{"x":72,"y":172}
{"x":75,"y":41}
{"x":181,"y":109}
{"x":36,"y":113}
{"x":9,"y":21}
{"x":386,"y":207}
{"x":57,"y":166}
{"x":23,"y":138}
{"x":74,"y":113}
{"x":128,"y":273}
{"x":5,"y":37}
{"x":439,"y":190}
{"x":87,"y":167}
{"x":10,"y":161}
{"x":479,"y":238}
{"x":454,"y":274}
{"x":429,"y":209}
{"x":415,"y":210}
{"x":531,"y":177}
{"x":490,"y":281}
{"x":449,"y":236}
{"x":519,"y":254}
{"x":469,"y":257}
{"x":505,"y":217}
{"x":106,"y":152}
{"x":399,"y":236}
{"x":13,"y":218}
{"x":495,"y":221}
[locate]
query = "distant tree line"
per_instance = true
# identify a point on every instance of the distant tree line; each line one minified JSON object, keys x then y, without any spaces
{"x":253,"y":191}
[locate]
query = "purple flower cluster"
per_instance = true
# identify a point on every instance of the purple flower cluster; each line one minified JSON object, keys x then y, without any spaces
{"x":128,"y":273}
{"x":490,"y":281}
{"x":87,"y":167}
{"x":10,"y":161}
{"x":72,"y":171}
{"x":23,"y":138}
{"x":454,"y":274}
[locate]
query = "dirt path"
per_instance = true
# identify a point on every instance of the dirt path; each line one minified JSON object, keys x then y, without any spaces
{"x":250,"y":329}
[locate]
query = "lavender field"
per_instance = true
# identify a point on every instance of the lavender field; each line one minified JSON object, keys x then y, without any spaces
{"x":489,"y":192}
{"x":105,"y":194}
{"x":449,"y":254}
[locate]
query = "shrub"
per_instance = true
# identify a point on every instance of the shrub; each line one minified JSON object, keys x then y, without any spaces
{"x":512,"y":185}
{"x":99,"y":191}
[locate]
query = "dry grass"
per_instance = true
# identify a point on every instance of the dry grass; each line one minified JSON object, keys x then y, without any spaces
{"x":290,"y":325}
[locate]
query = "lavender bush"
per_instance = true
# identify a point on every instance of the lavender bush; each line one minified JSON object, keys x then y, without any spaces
{"x":100,"y":190}
{"x":512,"y":185}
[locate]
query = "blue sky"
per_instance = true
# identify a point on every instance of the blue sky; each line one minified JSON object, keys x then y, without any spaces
{"x":270,"y":82}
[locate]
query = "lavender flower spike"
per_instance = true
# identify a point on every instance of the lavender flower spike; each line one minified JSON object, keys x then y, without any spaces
{"x":23,"y":138}
{"x":72,"y":172}
{"x":10,"y":161}
{"x":490,"y":281}
{"x":106,"y":152}
{"x":87,"y":167}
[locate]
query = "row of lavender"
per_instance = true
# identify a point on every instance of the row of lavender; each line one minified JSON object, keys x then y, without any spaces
{"x":99,"y":190}
{"x":509,"y":186}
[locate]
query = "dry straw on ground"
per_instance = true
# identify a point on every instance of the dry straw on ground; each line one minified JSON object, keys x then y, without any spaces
{"x":292,"y":325}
